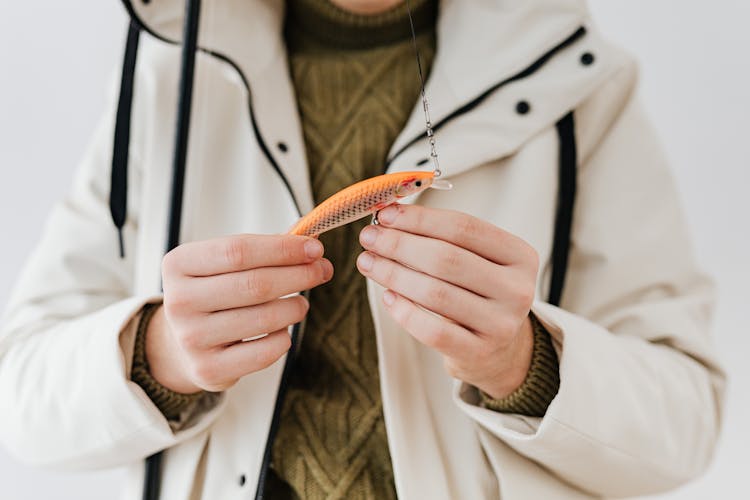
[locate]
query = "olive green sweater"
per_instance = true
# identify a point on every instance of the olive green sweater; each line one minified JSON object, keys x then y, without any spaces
{"x":356,"y":83}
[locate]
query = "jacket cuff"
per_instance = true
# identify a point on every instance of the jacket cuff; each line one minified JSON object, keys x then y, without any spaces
{"x":170,"y":403}
{"x":542,"y":382}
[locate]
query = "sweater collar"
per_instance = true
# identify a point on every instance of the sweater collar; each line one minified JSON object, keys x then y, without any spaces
{"x":338,"y":28}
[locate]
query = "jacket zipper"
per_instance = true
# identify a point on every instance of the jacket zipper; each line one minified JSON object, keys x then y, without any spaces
{"x":297,"y":334}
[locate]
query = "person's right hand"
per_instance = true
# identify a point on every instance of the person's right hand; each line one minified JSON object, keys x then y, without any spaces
{"x":220,"y":292}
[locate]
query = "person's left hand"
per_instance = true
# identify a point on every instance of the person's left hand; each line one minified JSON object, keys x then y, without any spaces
{"x":477,"y":278}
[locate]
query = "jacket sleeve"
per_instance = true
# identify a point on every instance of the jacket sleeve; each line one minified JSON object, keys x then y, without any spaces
{"x":66,"y":340}
{"x":638,"y":408}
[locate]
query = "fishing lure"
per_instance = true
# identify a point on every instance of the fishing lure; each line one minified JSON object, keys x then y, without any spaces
{"x":372,"y":195}
{"x":365,"y":198}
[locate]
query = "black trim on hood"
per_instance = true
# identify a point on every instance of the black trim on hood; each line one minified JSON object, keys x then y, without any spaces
{"x":184,"y":110}
{"x":531,"y":69}
{"x":218,"y":55}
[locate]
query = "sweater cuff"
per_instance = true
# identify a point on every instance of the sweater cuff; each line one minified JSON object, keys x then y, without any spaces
{"x":541,"y":384}
{"x":170,"y":403}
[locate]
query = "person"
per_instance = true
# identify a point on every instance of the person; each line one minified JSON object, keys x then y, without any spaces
{"x":446,"y":360}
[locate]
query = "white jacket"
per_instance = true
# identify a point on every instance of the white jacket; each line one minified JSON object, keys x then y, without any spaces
{"x":638,"y":408}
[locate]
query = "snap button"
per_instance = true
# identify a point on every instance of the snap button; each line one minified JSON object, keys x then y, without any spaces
{"x":587,"y":59}
{"x":523,"y":107}
{"x":242,"y":480}
{"x":282,"y":147}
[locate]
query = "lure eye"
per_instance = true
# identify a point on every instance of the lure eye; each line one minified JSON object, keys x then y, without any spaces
{"x":418,"y":183}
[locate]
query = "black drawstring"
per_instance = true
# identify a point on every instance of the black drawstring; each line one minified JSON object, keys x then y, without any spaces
{"x":118,"y":195}
{"x":184,"y":106}
{"x":152,"y":482}
{"x":566,"y":195}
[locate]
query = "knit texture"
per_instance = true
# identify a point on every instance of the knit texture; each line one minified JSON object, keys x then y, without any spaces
{"x":169,"y":403}
{"x":356,"y":83}
{"x":540,"y":387}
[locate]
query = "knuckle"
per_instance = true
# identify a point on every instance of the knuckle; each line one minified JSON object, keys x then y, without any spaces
{"x":405,"y":317}
{"x":419,"y":215}
{"x":438,"y":338}
{"x":316,"y":272}
{"x":451,"y":368}
{"x":205,"y":372}
{"x":392,"y":243}
{"x":526,"y":294}
{"x":263,"y":358}
{"x":390,"y":275}
{"x":254,"y":285}
{"x":176,"y":304}
{"x":466,"y":228}
{"x":268,"y":355}
{"x":236,"y":252}
{"x":449,"y":262}
{"x":437,"y":294}
{"x":169,"y":264}
{"x":487,"y":355}
{"x":189,"y":337}
{"x":505,"y":327}
{"x":287,"y":249}
{"x":284,"y":345}
{"x":300,"y":309}
{"x":266,"y":318}
{"x":175,"y":262}
{"x":533,"y":259}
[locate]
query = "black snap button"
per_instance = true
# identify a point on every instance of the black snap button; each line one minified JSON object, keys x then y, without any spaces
{"x":423,"y":161}
{"x":587,"y":58}
{"x":523,"y":107}
{"x":242,"y":480}
{"x":282,"y":147}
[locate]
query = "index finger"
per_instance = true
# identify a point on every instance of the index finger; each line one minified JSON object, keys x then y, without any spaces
{"x":243,"y":252}
{"x":463,"y":230}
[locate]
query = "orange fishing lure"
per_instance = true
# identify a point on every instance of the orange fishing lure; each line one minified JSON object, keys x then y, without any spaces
{"x":364,"y":198}
{"x":374,"y":194}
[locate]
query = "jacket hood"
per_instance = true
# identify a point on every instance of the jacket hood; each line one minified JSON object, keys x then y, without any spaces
{"x":469,"y":34}
{"x":495,"y":41}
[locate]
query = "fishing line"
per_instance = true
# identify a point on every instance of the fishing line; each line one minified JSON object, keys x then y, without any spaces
{"x":425,"y":104}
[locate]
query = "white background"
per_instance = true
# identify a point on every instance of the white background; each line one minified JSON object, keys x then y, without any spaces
{"x":56,"y":59}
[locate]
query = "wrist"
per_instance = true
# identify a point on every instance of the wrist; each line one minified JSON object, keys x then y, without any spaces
{"x":542,"y":381}
{"x":517,"y":366}
{"x":163,"y":359}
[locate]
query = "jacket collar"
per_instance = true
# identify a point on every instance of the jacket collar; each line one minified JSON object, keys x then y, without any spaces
{"x":481,"y":45}
{"x":247,"y":32}
{"x":488,"y":40}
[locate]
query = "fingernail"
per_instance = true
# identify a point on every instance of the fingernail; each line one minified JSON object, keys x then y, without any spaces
{"x":313,"y":249}
{"x":388,"y":214}
{"x":368,"y":236}
{"x":365,"y":261}
{"x":327,"y":269}
{"x":389,"y":297}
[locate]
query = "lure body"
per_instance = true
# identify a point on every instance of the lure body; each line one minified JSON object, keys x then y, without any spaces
{"x":360,"y":200}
